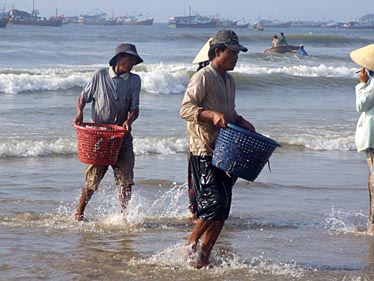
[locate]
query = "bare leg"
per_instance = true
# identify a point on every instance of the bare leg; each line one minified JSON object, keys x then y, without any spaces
{"x":85,"y":196}
{"x":211,"y":231}
{"x":200,"y":227}
{"x":210,"y":238}
{"x":124,"y":197}
{"x":371,"y":203}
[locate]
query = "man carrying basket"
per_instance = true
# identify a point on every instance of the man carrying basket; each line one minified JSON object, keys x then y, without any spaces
{"x":114,"y":94}
{"x":209,"y":104}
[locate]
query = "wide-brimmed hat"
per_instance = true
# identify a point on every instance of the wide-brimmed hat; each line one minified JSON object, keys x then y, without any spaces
{"x":364,"y":56}
{"x":126,"y":49}
{"x":202,"y":55}
{"x":229,"y":39}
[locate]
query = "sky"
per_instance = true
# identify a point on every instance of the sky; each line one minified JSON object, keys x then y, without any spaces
{"x":162,"y":10}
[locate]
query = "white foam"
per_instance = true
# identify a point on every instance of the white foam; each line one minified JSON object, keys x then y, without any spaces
{"x":154,"y":145}
{"x":156,"y":78}
{"x":165,"y":79}
{"x":41,"y":80}
{"x":62,"y":146}
{"x":32,"y":148}
{"x":320,"y":139}
{"x":321,"y":70}
{"x":180,"y":255}
{"x":339,"y":221}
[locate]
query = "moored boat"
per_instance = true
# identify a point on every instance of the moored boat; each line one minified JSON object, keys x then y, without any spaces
{"x":192,"y":21}
{"x":98,"y":19}
{"x":231,"y":23}
{"x":274,"y":24}
{"x":136,"y":21}
{"x":25,"y":18}
{"x":19,"y":17}
{"x":195,"y":21}
{"x":4,"y":18}
{"x":258,"y":27}
{"x":359,"y":25}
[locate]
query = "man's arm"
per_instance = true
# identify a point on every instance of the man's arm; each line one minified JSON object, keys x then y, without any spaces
{"x":130,"y":119}
{"x":79,"y":106}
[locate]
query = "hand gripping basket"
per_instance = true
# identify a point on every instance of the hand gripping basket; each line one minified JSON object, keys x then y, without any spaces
{"x":99,"y":144}
{"x":242,"y":153}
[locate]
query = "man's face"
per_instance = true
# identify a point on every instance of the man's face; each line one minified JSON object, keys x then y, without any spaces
{"x":227,"y":59}
{"x":124,"y":64}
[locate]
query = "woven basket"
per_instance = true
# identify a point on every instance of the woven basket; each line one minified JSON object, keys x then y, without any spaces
{"x":242,"y":153}
{"x":99,"y":144}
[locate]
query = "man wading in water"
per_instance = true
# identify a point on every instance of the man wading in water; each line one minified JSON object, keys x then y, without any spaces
{"x":114,"y":93}
{"x":209,"y":104}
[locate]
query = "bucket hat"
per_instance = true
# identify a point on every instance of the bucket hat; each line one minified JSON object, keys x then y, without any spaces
{"x":364,"y":56}
{"x":229,"y":39}
{"x":202,"y":55}
{"x":126,"y":49}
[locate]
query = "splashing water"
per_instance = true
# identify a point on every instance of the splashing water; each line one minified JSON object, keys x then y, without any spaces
{"x":340,"y":221}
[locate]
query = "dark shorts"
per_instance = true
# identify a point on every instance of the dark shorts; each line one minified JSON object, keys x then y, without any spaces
{"x":210,"y":189}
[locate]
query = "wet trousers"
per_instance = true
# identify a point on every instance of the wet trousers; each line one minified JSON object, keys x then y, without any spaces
{"x":370,"y":160}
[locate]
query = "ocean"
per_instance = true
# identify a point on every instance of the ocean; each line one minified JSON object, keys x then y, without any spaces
{"x":305,"y":218}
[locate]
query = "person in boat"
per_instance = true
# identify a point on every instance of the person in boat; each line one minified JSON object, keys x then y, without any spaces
{"x":114,"y":93}
{"x":276,"y":42}
{"x":283,"y":40}
{"x":364,"y":135}
{"x":209,"y":104}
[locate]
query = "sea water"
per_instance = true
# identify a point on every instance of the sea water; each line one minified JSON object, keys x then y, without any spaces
{"x":304,"y":218}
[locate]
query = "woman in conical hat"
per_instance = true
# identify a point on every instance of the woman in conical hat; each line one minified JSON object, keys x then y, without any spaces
{"x":202,"y":57}
{"x":364,"y":136}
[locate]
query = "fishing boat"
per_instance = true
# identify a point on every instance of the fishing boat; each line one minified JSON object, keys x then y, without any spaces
{"x":274,"y":24}
{"x":137,"y":21}
{"x":19,"y":17}
{"x":227,"y":23}
{"x":4,"y":18}
{"x":25,"y":18}
{"x":195,"y":21}
{"x":365,"y":22}
{"x":358,"y":25}
{"x":98,"y":19}
{"x":282,"y":49}
{"x":258,"y":27}
{"x":192,"y":21}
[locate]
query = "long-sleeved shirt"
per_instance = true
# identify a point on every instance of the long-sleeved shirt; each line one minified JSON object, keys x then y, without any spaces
{"x":364,"y":136}
{"x":207,"y":90}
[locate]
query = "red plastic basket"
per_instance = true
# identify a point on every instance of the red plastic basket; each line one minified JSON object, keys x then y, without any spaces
{"x":99,"y":144}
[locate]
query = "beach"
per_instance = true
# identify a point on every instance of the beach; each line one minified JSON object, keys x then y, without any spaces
{"x":304,"y":218}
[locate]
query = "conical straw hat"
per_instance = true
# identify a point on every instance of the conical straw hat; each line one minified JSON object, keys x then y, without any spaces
{"x":364,"y":56}
{"x":203,"y":53}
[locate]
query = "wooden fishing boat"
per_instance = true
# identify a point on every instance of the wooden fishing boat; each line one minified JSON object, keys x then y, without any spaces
{"x":282,"y":49}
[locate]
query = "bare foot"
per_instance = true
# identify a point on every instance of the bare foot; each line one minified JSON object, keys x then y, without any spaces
{"x":198,"y":264}
{"x":202,"y":260}
{"x":80,"y":218}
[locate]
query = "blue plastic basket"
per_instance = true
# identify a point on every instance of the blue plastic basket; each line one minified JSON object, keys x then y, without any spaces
{"x":242,"y":153}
